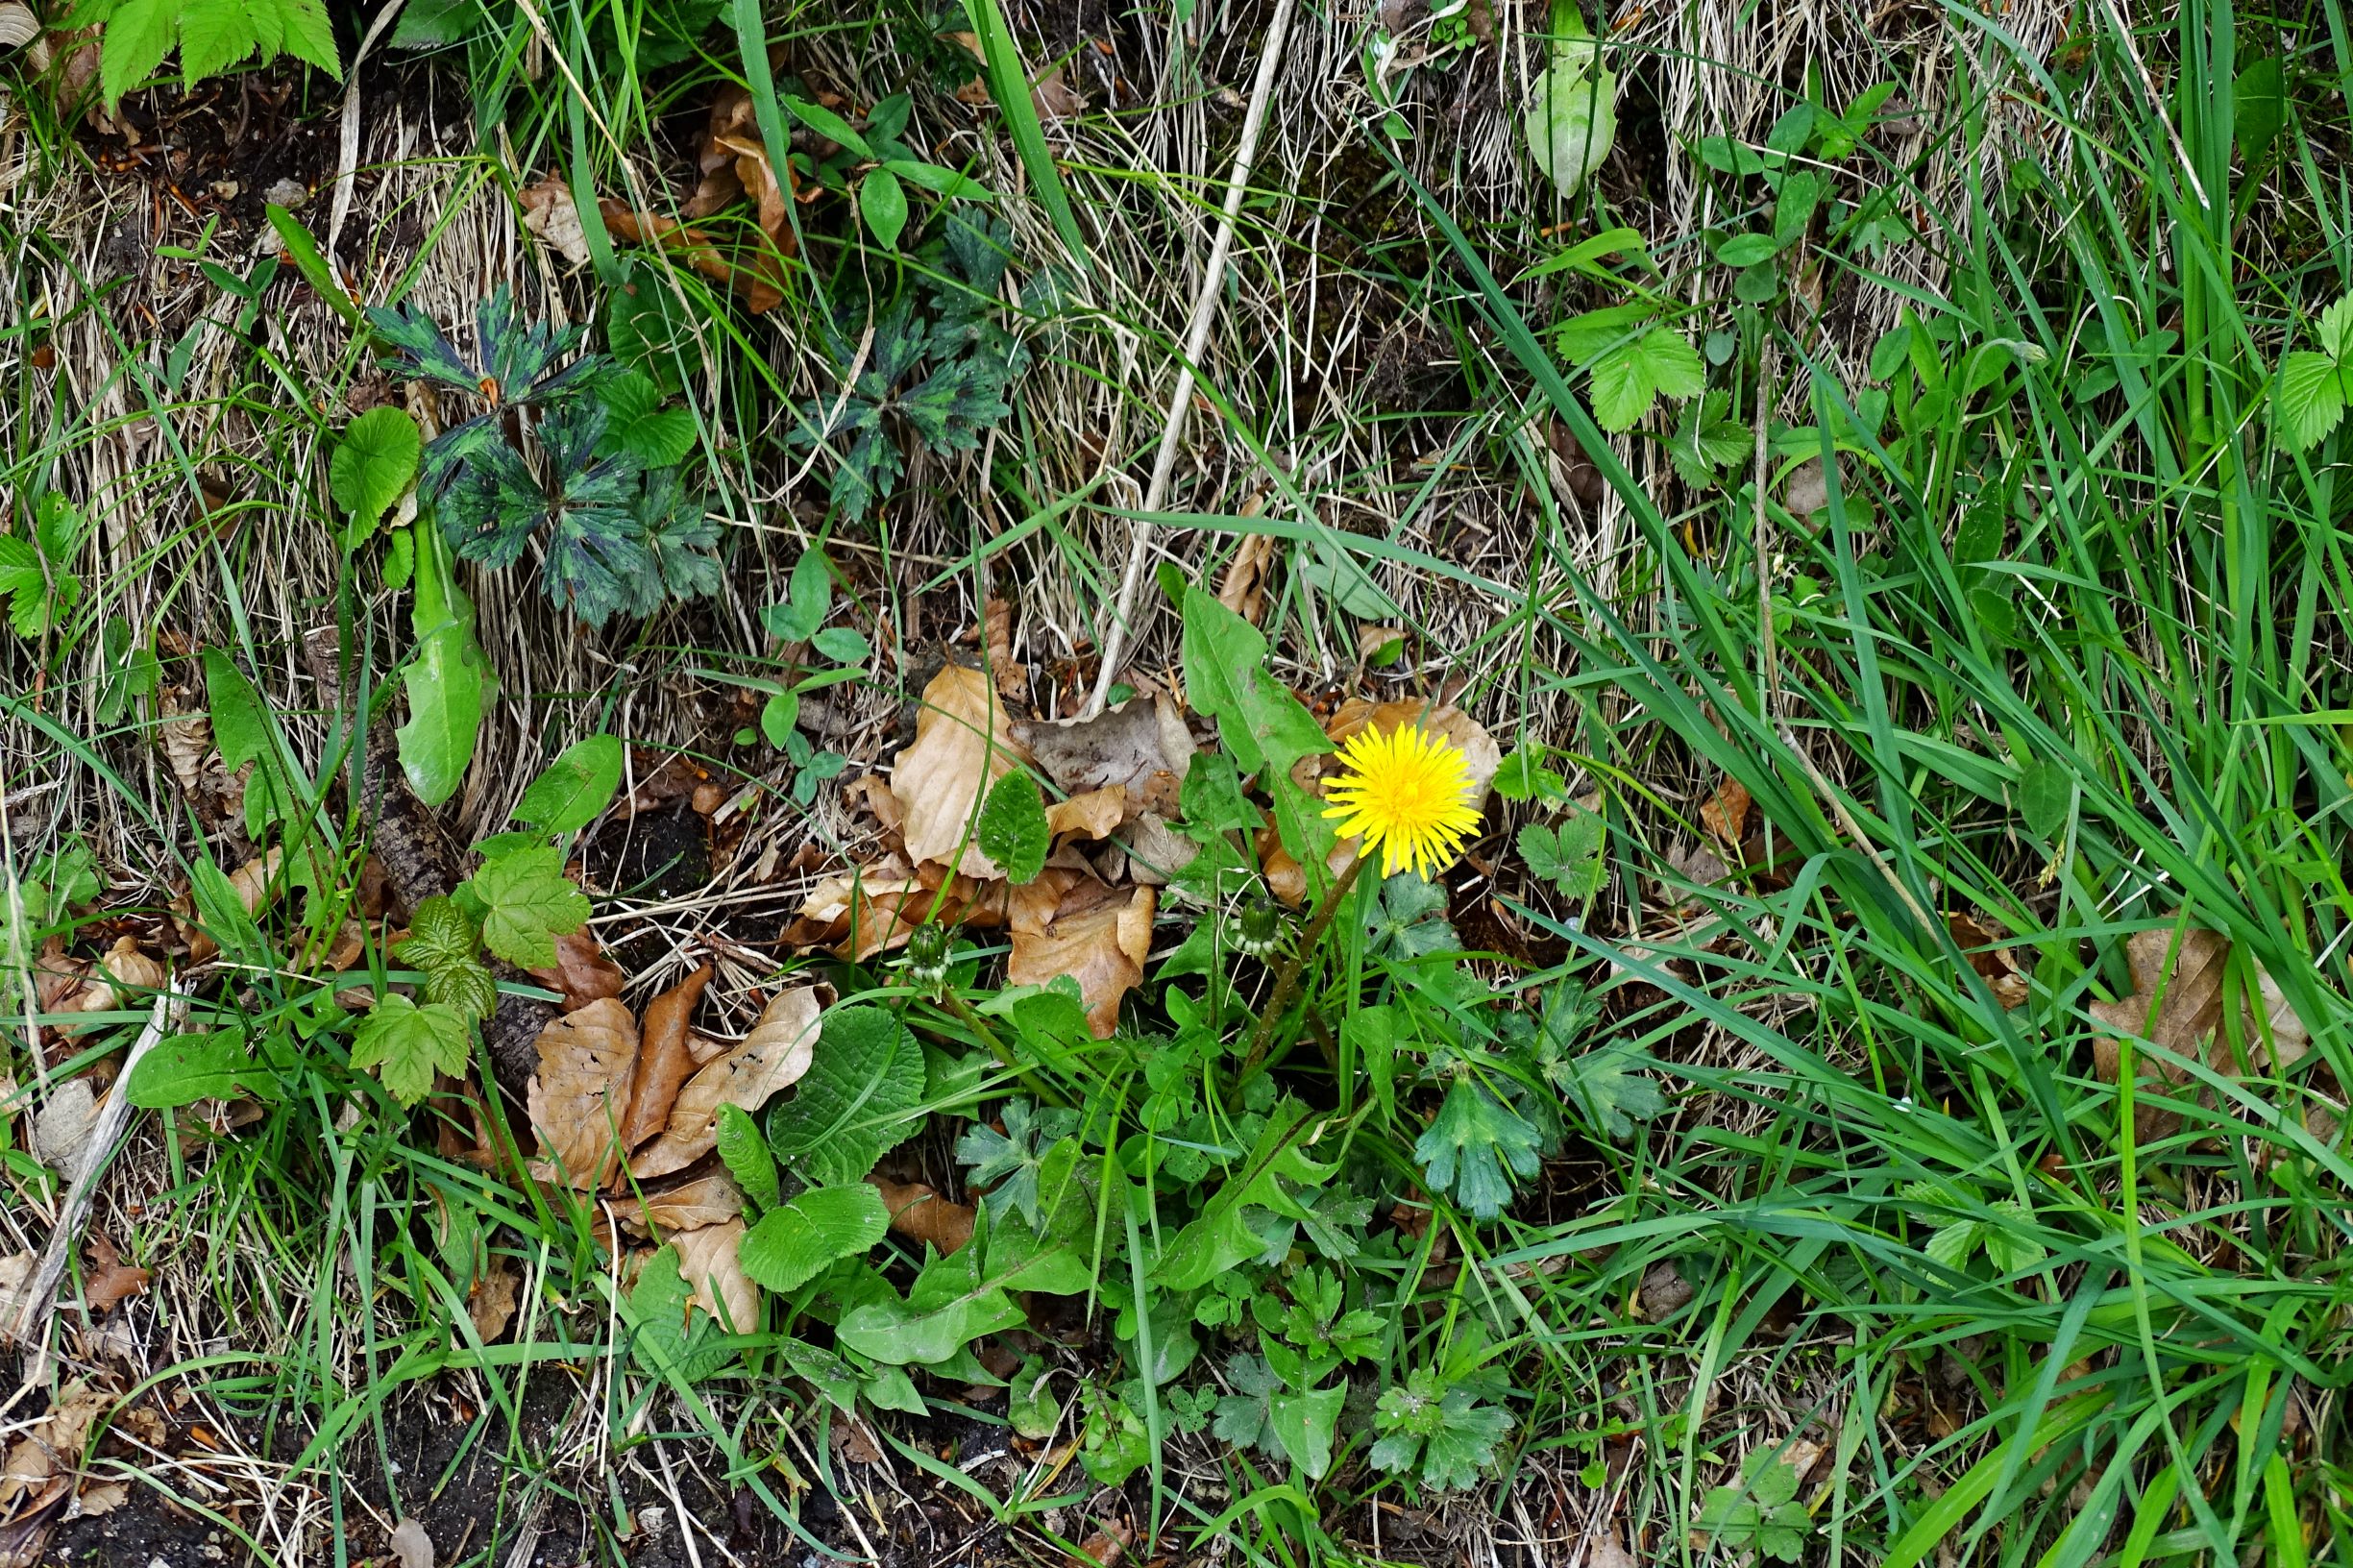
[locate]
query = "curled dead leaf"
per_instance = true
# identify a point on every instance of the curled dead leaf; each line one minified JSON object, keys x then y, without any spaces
{"x":1243,"y":587}
{"x":664,"y":1059}
{"x":708,"y":1263}
{"x":1089,"y":816}
{"x":757,"y":277}
{"x":490,"y":1302}
{"x":587,"y":1072}
{"x":1100,"y":938}
{"x":114,"y":981}
{"x":1977,"y":938}
{"x":581,"y":971}
{"x":772,"y":1057}
{"x":874,"y":909}
{"x":963,"y":745}
{"x":1012,"y":676}
{"x":919,"y":1214}
{"x":550,"y":214}
{"x":1725,"y":814}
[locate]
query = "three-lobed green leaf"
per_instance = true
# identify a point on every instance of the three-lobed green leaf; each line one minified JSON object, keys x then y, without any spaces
{"x":407,"y":1043}
{"x":527,"y":903}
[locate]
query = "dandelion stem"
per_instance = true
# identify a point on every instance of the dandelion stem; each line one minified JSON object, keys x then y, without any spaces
{"x":1286,"y":978}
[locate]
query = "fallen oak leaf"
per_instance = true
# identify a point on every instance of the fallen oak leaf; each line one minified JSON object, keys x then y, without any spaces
{"x":1100,"y":938}
{"x":108,"y":1281}
{"x":664,"y":1058}
{"x":587,"y":1072}
{"x":919,"y":1214}
{"x":773,"y":1057}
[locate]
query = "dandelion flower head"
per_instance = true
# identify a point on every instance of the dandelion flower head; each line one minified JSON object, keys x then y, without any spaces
{"x":1407,"y":792}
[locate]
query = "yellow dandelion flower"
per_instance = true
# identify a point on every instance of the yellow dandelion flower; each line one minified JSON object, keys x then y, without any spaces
{"x":1408,"y":794}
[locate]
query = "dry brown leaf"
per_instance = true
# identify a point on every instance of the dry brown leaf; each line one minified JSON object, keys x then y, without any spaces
{"x":1155,"y":851}
{"x":689,"y":1206}
{"x":875,"y":908}
{"x":101,"y":1497}
{"x":112,"y":982}
{"x":410,"y":1545}
{"x":187,"y":741}
{"x":962,"y":745}
{"x":1142,"y":745}
{"x":257,"y":883}
{"x":1031,"y":907}
{"x":549,"y":214}
{"x":731,"y":114}
{"x":25,"y":1471}
{"x":1977,"y":936}
{"x":581,"y":971}
{"x":1012,"y":676}
{"x":1481,"y":756}
{"x":490,"y":1303}
{"x":759,"y":281}
{"x":587,"y":1072}
{"x":2186,"y":1020}
{"x":15,"y":1270}
{"x":919,"y":1214}
{"x":62,"y":1131}
{"x":1724,"y":815}
{"x":1089,"y":816}
{"x":108,"y":1280}
{"x":1603,"y":1549}
{"x":707,"y":1261}
{"x":874,"y":792}
{"x":704,"y":1048}
{"x":1100,"y":938}
{"x":1243,"y":587}
{"x":773,"y":1057}
{"x":1104,"y":1548}
{"x":664,"y":1060}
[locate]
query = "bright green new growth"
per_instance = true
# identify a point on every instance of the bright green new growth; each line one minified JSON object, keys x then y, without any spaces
{"x":212,"y":36}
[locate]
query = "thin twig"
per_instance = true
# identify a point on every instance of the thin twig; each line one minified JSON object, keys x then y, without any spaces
{"x":1196,"y":345}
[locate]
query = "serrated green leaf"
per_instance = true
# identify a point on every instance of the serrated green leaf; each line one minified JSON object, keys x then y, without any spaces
{"x":572,"y":790}
{"x":374,"y":465}
{"x":656,"y":438}
{"x":527,"y":903}
{"x":214,"y":35}
{"x":138,"y":35}
{"x":2335,"y":330}
{"x":793,"y":1244}
{"x":861,"y":1098}
{"x":1013,"y":828}
{"x":407,"y":1045}
{"x":1472,"y":1147}
{"x":2310,"y":398}
{"x":308,"y":33}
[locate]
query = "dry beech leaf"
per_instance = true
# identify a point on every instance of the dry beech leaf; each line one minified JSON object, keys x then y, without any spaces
{"x":1243,"y":587}
{"x":689,"y":1206}
{"x":581,"y":971}
{"x":704,"y":1048}
{"x":919,"y":1214}
{"x":1481,"y":756}
{"x":962,"y":745}
{"x":664,"y":1059}
{"x":1976,"y":935}
{"x":731,"y":114}
{"x":113,"y":981}
{"x":875,"y":908}
{"x":490,"y":1304}
{"x":1724,"y":815}
{"x":1089,"y":816}
{"x":772,"y":1057}
{"x":549,"y":214}
{"x":2187,"y":1020}
{"x":1142,"y":745}
{"x":1100,"y":938}
{"x":707,"y":1261}
{"x":101,"y":1497}
{"x":1031,"y":907}
{"x":874,"y":792}
{"x":587,"y":1072}
{"x":1103,"y":1549}
{"x":108,"y":1280}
